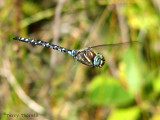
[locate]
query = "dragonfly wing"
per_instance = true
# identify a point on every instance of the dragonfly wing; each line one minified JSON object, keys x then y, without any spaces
{"x":116,"y":44}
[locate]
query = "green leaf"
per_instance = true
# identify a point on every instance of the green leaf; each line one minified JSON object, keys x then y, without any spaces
{"x":105,"y":90}
{"x":125,"y":114}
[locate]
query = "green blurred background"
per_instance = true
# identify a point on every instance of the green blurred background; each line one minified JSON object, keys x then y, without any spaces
{"x":37,"y":83}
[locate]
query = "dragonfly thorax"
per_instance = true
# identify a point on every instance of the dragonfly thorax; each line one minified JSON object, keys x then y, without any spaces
{"x":99,"y":60}
{"x":89,"y":57}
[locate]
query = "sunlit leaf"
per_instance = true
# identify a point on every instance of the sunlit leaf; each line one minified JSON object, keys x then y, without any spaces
{"x":139,"y":16}
{"x":110,"y":2}
{"x":132,"y":71}
{"x":156,"y":117}
{"x":132,"y":113}
{"x":156,"y":84}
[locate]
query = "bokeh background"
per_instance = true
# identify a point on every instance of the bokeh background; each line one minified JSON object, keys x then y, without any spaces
{"x":43,"y":84}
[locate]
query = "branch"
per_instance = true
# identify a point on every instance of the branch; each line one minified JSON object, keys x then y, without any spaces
{"x":21,"y":94}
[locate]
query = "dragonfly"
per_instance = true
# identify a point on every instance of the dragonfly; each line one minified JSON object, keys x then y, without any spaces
{"x":85,"y":56}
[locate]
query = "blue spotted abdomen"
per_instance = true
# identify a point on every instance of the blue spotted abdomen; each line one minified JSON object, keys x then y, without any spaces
{"x":45,"y":44}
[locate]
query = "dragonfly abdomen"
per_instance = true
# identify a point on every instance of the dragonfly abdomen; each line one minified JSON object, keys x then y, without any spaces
{"x":44,"y":44}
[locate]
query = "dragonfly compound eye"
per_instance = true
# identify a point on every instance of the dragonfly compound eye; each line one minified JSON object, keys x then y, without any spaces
{"x":99,"y":60}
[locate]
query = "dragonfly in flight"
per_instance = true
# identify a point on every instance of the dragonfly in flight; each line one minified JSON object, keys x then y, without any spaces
{"x":86,"y":56}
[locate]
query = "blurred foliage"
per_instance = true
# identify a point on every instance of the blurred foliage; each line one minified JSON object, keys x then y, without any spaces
{"x":126,"y":88}
{"x":107,"y":91}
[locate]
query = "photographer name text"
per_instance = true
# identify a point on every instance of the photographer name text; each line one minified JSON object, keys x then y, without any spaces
{"x":24,"y":115}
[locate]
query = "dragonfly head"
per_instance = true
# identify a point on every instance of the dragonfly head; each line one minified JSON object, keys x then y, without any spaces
{"x":99,"y":60}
